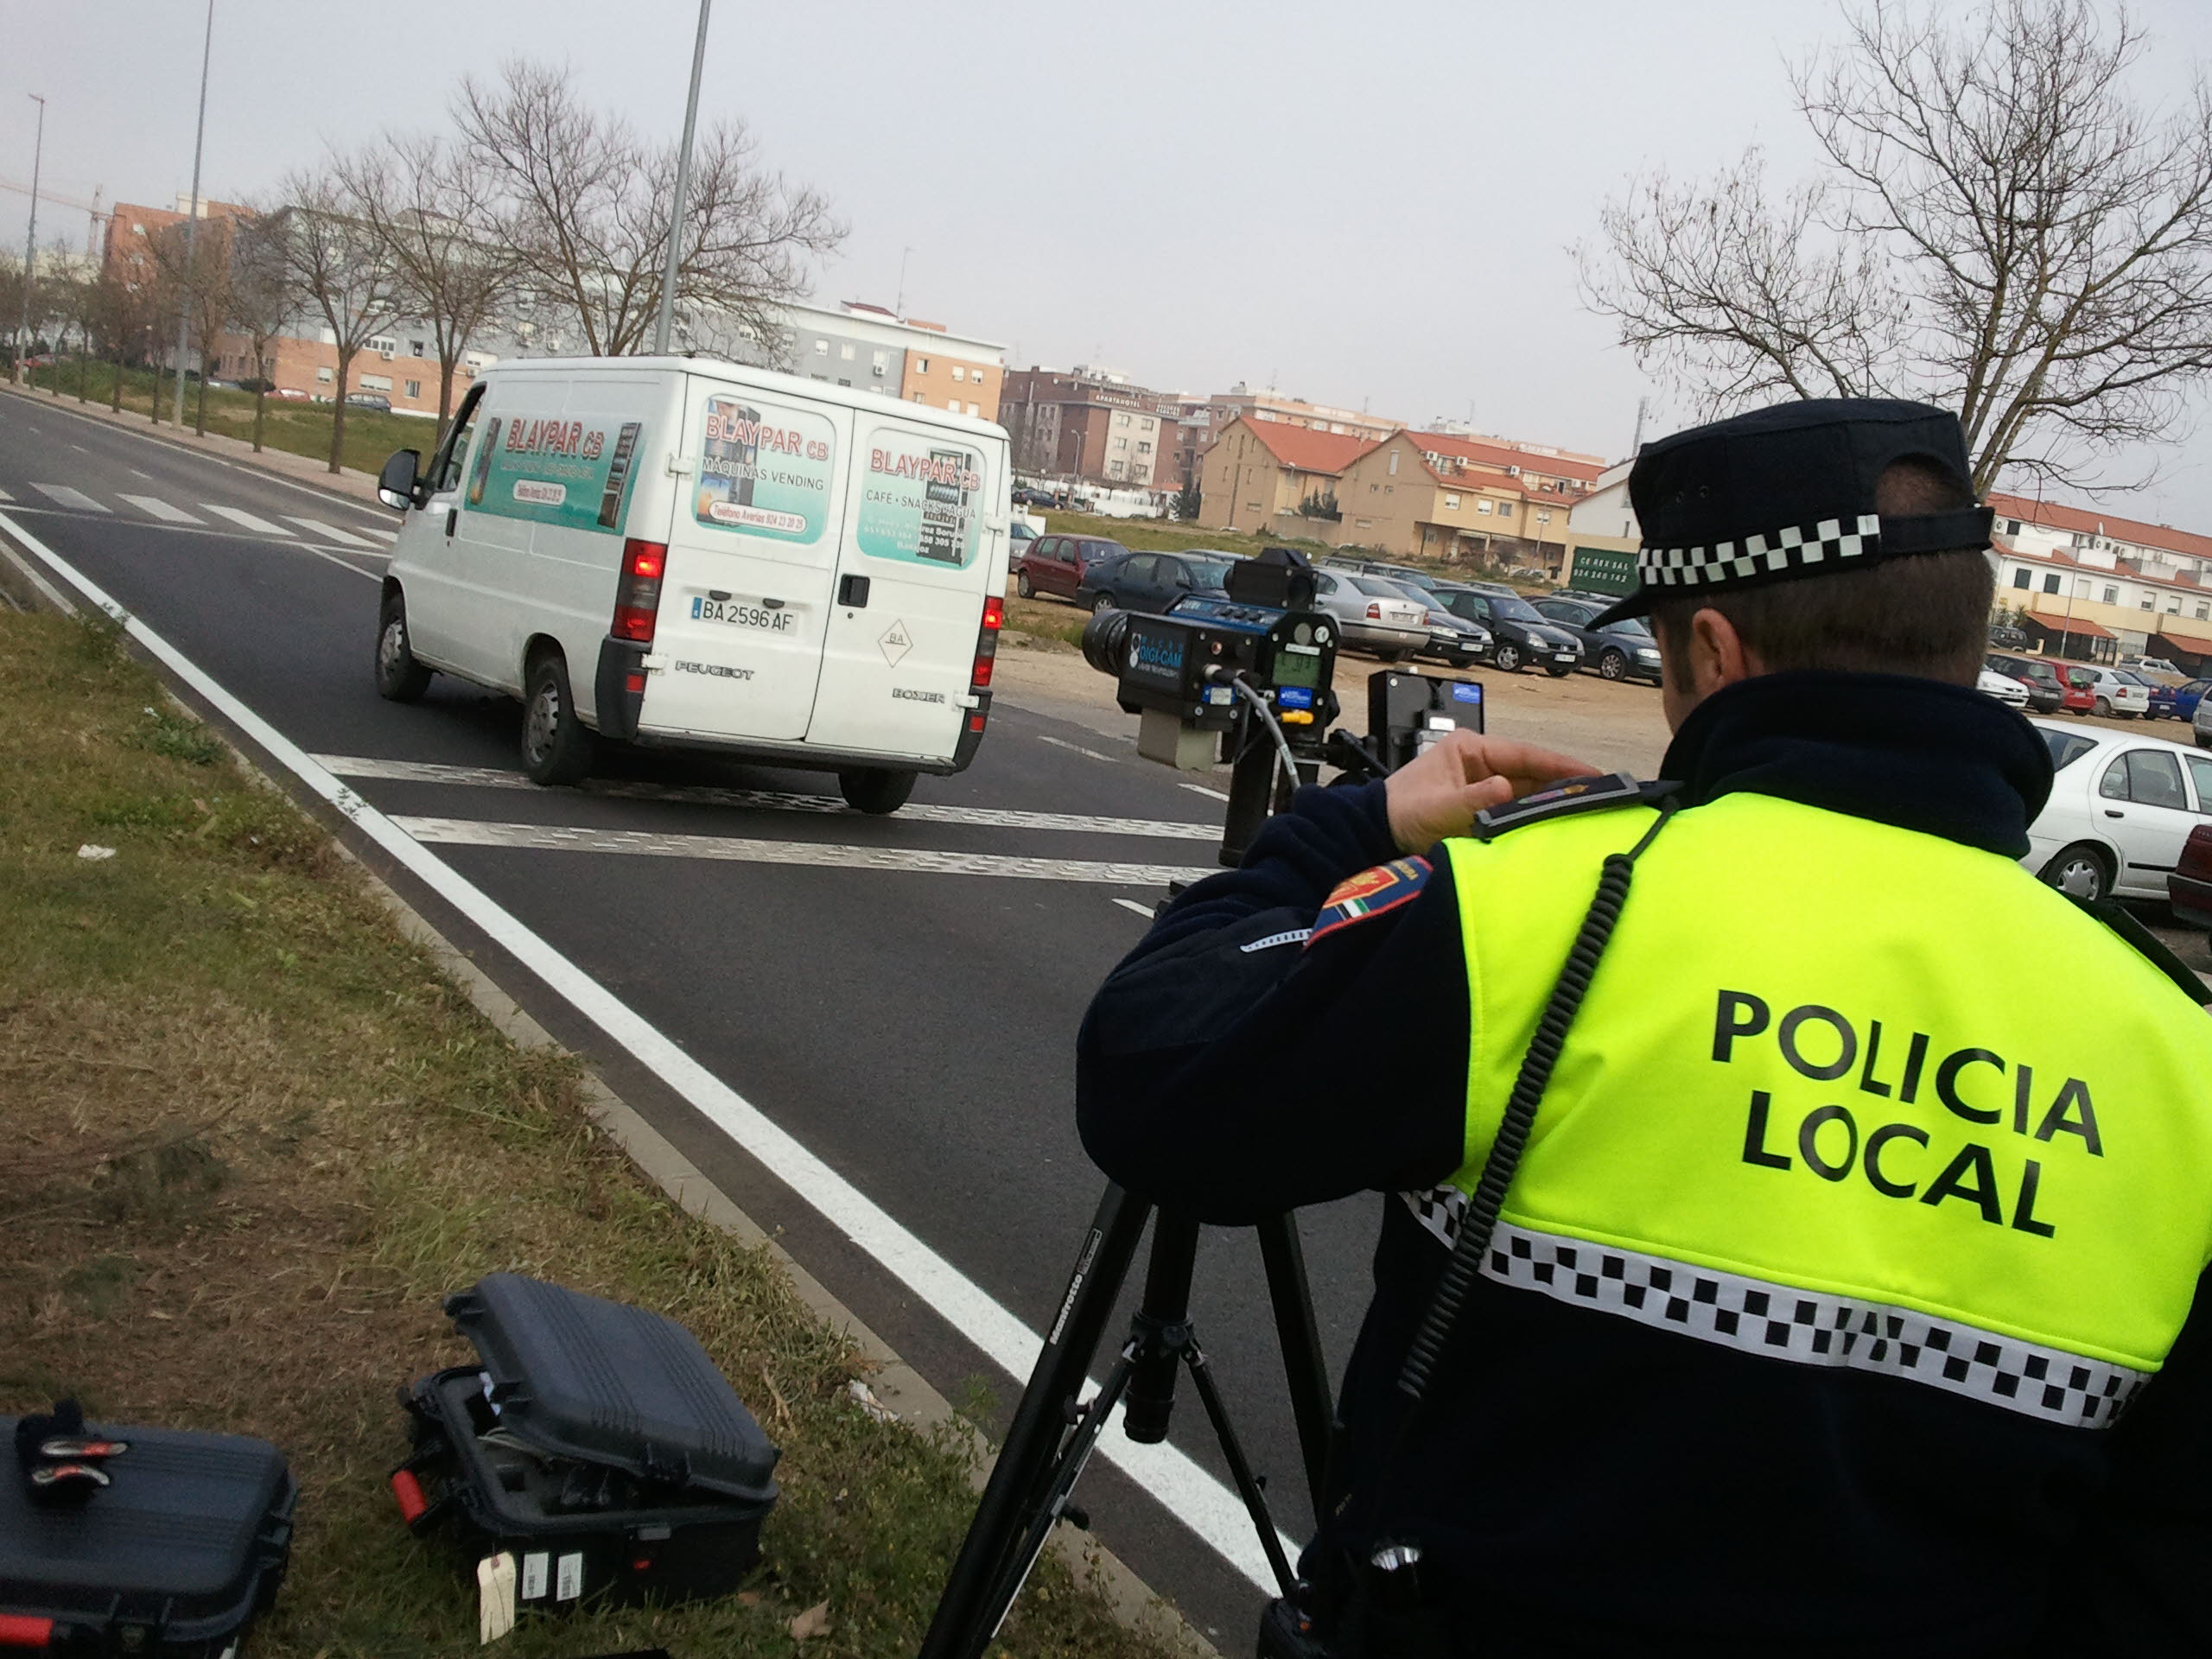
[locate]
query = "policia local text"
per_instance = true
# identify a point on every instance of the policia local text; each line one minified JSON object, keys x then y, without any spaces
{"x":1819,"y":1044}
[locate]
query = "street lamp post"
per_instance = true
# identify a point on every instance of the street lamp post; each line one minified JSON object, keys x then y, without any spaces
{"x":30,"y":241}
{"x":683,"y":183}
{"x":192,"y":223}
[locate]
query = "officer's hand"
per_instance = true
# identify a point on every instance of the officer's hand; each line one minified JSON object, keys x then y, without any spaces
{"x":1438,"y":794}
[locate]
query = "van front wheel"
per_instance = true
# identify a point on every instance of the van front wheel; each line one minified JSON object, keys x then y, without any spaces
{"x":875,"y":789}
{"x":399,"y":676}
{"x":557,"y":746}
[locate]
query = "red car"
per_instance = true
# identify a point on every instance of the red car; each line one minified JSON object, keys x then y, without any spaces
{"x":2189,"y":887}
{"x":1056,"y":564}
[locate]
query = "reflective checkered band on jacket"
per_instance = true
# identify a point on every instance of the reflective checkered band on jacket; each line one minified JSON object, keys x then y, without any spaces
{"x":1810,"y":1327}
{"x":1792,"y":547}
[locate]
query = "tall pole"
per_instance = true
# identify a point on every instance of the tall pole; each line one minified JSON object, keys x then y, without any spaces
{"x":30,"y":241}
{"x":898,"y":305}
{"x":192,"y":224}
{"x":682,"y":183}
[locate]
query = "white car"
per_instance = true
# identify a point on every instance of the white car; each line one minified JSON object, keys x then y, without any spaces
{"x":2003,"y":687}
{"x":2114,"y":696}
{"x":2120,"y":807}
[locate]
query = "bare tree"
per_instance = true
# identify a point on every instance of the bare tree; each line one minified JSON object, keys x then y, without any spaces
{"x":197,"y":270}
{"x":263,"y":300}
{"x":583,"y":199}
{"x":1998,"y":227}
{"x":117,"y":318}
{"x":340,"y":273}
{"x":427,"y":201}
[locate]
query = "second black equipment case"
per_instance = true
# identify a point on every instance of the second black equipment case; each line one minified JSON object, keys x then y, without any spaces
{"x":173,"y":1558}
{"x":597,"y":1442}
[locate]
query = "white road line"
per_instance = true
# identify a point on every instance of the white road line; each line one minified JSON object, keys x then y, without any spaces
{"x":1144,"y":910}
{"x":1210,"y":794}
{"x":80,"y":448}
{"x":142,"y":473}
{"x":4,"y":496}
{"x":245,"y":520}
{"x":563,"y":838}
{"x":316,"y":527}
{"x":1074,"y":748}
{"x":1187,"y":1491}
{"x":63,"y":496}
{"x":156,"y":507}
{"x":332,"y":555}
{"x":430,"y":772}
{"x":387,"y":536}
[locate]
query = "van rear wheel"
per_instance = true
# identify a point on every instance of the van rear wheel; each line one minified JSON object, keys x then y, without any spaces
{"x":557,"y":746}
{"x":400,"y":678}
{"x":875,"y":789}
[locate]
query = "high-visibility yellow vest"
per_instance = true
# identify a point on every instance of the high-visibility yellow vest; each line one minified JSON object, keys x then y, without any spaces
{"x":1842,"y":1094}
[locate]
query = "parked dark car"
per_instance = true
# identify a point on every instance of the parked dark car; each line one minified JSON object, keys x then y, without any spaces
{"x":1520,"y":634}
{"x":2187,"y":696}
{"x":1619,"y":651}
{"x":2045,"y":692}
{"x":2163,"y":703}
{"x":367,"y":400}
{"x":1152,"y":582}
{"x":2008,"y":638}
{"x":1453,"y":639}
{"x":1055,"y":564}
{"x":2188,"y":885}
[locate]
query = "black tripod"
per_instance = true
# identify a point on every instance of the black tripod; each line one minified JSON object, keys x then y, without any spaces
{"x":1054,"y":1429}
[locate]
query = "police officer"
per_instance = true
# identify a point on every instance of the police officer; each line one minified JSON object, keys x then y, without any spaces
{"x":1841,"y":1301}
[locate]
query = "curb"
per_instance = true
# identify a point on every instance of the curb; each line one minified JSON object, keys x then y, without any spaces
{"x":897,"y":1386}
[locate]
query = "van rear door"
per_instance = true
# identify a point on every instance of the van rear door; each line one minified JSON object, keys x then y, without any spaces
{"x":924,"y":506}
{"x":752,"y":552}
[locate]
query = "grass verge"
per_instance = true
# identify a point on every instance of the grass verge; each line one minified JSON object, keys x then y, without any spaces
{"x":254,"y":1135}
{"x":302,"y":429}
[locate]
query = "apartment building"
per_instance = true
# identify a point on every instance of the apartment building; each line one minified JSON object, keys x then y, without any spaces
{"x":870,"y":348}
{"x":2097,"y":586}
{"x":1395,"y":499}
{"x":1602,"y":537}
{"x":1268,"y":479}
{"x":1083,"y":423}
{"x":1539,"y":471}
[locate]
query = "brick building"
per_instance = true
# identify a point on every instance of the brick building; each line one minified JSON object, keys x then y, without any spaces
{"x":1080,"y":423}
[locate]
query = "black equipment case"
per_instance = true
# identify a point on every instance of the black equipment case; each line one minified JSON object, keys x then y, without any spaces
{"x":173,"y":1560}
{"x":596,"y":1442}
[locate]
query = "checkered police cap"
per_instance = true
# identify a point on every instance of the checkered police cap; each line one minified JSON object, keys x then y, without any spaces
{"x":1788,"y":492}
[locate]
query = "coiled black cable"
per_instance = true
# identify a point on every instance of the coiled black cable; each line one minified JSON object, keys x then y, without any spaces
{"x":1479,"y":1221}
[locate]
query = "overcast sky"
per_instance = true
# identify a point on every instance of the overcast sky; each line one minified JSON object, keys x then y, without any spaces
{"x":1369,"y":206}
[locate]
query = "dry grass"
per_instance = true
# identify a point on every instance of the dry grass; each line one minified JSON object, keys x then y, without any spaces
{"x":254,"y":1135}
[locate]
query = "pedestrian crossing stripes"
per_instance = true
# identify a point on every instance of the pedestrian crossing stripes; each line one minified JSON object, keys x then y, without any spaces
{"x":63,"y":496}
{"x":540,"y":837}
{"x":243,"y":520}
{"x":432,"y":772}
{"x":154,"y":506}
{"x":316,"y":527}
{"x":4,"y":496}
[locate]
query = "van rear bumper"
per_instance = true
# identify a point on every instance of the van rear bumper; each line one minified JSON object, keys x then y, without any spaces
{"x":616,"y":705}
{"x":812,"y":756}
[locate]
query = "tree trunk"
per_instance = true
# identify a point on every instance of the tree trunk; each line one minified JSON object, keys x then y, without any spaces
{"x":445,"y":392}
{"x":337,"y":411}
{"x":260,"y":406}
{"x":82,"y":342}
{"x":200,"y":408}
{"x":154,"y":357}
{"x":115,"y":390}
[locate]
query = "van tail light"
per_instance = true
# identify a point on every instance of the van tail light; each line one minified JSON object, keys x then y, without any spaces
{"x":637,"y":598}
{"x":986,"y":645}
{"x":1374,"y":610}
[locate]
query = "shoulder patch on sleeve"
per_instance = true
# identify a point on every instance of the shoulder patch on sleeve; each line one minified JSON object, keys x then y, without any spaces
{"x":1561,"y":800}
{"x":1368,"y":894}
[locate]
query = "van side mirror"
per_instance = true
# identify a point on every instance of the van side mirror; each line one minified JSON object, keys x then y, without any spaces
{"x":395,"y":483}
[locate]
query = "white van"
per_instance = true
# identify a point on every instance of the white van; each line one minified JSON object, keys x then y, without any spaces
{"x":686,"y":554}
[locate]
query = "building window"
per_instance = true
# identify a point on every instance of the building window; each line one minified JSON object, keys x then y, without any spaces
{"x":1121,"y":420}
{"x":821,"y":348}
{"x":1121,"y":443}
{"x":1482,"y":506}
{"x":921,"y":366}
{"x":2173,"y":607}
{"x":2021,"y":578}
{"x":1543,"y":517}
{"x":2204,"y":611}
{"x":882,"y":362}
{"x":414,"y":388}
{"x":953,"y":404}
{"x":1394,"y":463}
{"x":973,"y":409}
{"x":1452,"y":502}
{"x":415,"y":348}
{"x":845,"y":352}
{"x":2148,"y":604}
{"x":844,"y":383}
{"x":383,"y":343}
{"x":959,"y":374}
{"x":2112,"y":595}
{"x":1505,"y":509}
{"x":2013,"y":527}
{"x":324,"y":377}
{"x":2050,"y":584}
{"x":1143,"y":448}
{"x":921,"y":397}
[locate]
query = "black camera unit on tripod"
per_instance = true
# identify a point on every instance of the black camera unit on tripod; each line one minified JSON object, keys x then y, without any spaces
{"x":1247,"y":679}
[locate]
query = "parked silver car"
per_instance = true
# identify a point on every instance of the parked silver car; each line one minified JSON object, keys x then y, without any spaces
{"x":1372,"y":614}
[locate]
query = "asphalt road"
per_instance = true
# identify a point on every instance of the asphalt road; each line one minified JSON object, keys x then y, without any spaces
{"x":912,"y":1025}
